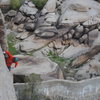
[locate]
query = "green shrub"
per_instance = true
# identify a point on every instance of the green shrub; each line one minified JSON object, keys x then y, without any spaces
{"x":57,"y":59}
{"x":15,"y":4}
{"x":39,"y":3}
{"x":11,"y":43}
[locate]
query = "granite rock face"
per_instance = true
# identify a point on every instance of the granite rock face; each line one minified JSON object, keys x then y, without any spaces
{"x":64,"y":89}
{"x":6,"y":78}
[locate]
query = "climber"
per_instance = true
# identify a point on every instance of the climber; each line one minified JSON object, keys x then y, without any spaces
{"x":10,"y":59}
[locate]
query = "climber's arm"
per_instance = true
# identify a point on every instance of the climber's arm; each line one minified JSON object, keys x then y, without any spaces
{"x":16,"y":63}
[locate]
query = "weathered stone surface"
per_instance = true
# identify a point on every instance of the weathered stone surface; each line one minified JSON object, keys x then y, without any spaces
{"x":11,"y":13}
{"x":28,"y":9}
{"x":71,"y":89}
{"x":93,"y":36}
{"x":92,"y":21}
{"x":72,"y":32}
{"x":4,"y":2}
{"x":71,"y":16}
{"x":42,"y":52}
{"x":97,"y":41}
{"x":27,"y":46}
{"x":22,"y":35}
{"x":18,"y":36}
{"x":66,"y":90}
{"x":72,"y":52}
{"x":89,"y":70}
{"x":77,"y":35}
{"x":30,"y":4}
{"x":51,"y":18}
{"x":20,"y":28}
{"x":79,"y":7}
{"x":56,"y":44}
{"x":46,"y":31}
{"x":47,"y":34}
{"x":19,"y":18}
{"x":46,"y":28}
{"x":31,"y":44}
{"x":3,"y":38}
{"x":83,"y":73}
{"x":49,"y":7}
{"x":29,"y":65}
{"x":6,"y":81}
{"x":84,"y":39}
{"x":79,"y":28}
{"x":32,"y":17}
{"x":29,"y":26}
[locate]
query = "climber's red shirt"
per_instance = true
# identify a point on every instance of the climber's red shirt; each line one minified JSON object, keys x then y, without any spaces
{"x":9,"y":60}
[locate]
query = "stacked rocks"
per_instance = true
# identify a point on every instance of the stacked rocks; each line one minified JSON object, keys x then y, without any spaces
{"x":76,"y":20}
{"x":26,"y":15}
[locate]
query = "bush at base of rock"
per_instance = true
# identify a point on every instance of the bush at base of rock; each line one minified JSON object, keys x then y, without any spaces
{"x":15,"y":4}
{"x":39,"y":3}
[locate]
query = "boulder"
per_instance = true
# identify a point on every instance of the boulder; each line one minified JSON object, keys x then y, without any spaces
{"x":77,"y":35}
{"x":31,"y":44}
{"x":19,"y":18}
{"x":51,"y":29}
{"x":28,"y":8}
{"x":93,"y":35}
{"x":76,"y":11}
{"x":29,"y":26}
{"x":32,"y":17}
{"x":97,"y":40}
{"x":11,"y":13}
{"x":30,"y":20}
{"x":47,"y":34}
{"x":40,"y":22}
{"x":22,"y":35}
{"x":89,"y":70}
{"x":30,"y":4}
{"x":79,"y":28}
{"x":29,"y":65}
{"x":91,"y":65}
{"x":84,"y":39}
{"x":20,"y":28}
{"x":97,"y":57}
{"x":18,"y":36}
{"x":73,"y":52}
{"x":51,"y":18}
{"x":83,"y":73}
{"x":42,"y":52}
{"x":50,"y":7}
{"x":27,"y":46}
{"x":43,"y":68}
{"x":92,"y":21}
